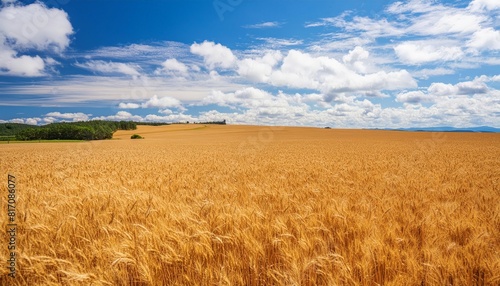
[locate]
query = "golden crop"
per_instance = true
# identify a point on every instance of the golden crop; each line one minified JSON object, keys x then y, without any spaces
{"x":249,"y":205}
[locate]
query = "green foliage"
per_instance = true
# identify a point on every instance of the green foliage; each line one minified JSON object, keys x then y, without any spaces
{"x":11,"y":129}
{"x":223,"y":122}
{"x":7,"y":138}
{"x":152,"y":123}
{"x":89,"y":130}
{"x":136,"y":136}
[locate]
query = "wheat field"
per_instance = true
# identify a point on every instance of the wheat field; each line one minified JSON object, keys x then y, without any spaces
{"x":253,"y":205}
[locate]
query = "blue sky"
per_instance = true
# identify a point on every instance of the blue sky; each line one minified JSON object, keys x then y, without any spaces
{"x":346,"y":64}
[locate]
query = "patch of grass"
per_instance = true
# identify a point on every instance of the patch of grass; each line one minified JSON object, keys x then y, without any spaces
{"x":136,"y":136}
{"x":39,"y":141}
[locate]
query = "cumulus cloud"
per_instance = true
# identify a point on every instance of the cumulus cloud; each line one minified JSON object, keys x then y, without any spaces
{"x":356,"y":59}
{"x":414,"y":97}
{"x":123,"y":105}
{"x":155,"y":102}
{"x":178,"y":117}
{"x":443,"y":92}
{"x":79,"y":116}
{"x":31,"y":27}
{"x":162,"y":102}
{"x":485,"y":39}
{"x":172,"y":66}
{"x":30,"y":121}
{"x":244,"y":97}
{"x":462,"y":88}
{"x":214,"y":55}
{"x":302,"y":70}
{"x":119,"y":116}
{"x":259,"y":69}
{"x":110,"y":67}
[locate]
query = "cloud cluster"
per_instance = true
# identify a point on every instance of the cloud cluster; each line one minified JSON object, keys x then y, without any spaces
{"x":424,"y":31}
{"x":31,"y":27}
{"x":445,"y":92}
{"x":110,"y":67}
{"x":214,"y":55}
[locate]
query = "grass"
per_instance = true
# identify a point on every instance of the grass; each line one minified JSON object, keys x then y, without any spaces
{"x":238,"y":205}
{"x":40,"y":141}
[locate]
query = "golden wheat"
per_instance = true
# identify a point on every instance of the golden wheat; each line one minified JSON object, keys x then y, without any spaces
{"x":249,"y":205}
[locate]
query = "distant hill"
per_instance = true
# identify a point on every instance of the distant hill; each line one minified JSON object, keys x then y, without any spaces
{"x":452,"y":129}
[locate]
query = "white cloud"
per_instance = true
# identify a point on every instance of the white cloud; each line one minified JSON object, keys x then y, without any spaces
{"x":32,"y":121}
{"x":119,"y":116}
{"x":172,"y":65}
{"x":356,"y":55}
{"x":414,"y":97}
{"x":79,"y":116}
{"x":413,"y":6}
{"x":302,"y":70}
{"x":35,"y":26}
{"x":426,"y":73}
{"x":478,"y":5}
{"x":178,"y":117}
{"x":110,"y":67}
{"x":276,"y":43}
{"x":462,"y":88}
{"x":163,"y":102}
{"x":485,"y":39}
{"x":29,"y":66}
{"x":214,"y":55}
{"x":424,"y":17}
{"x":356,"y":59}
{"x":370,"y":28}
{"x":49,"y":120}
{"x":140,"y":53}
{"x":259,"y":69}
{"x":264,"y":25}
{"x":449,"y":21}
{"x":80,"y":90}
{"x":418,"y":52}
{"x":123,"y":105}
{"x":442,"y":92}
{"x":421,"y":32}
{"x":31,"y":27}
{"x":247,"y":97}
{"x":17,"y":120}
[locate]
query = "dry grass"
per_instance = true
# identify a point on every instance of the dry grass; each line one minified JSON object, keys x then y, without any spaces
{"x":243,"y":205}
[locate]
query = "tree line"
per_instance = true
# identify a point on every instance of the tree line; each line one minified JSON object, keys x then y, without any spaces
{"x":85,"y":130}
